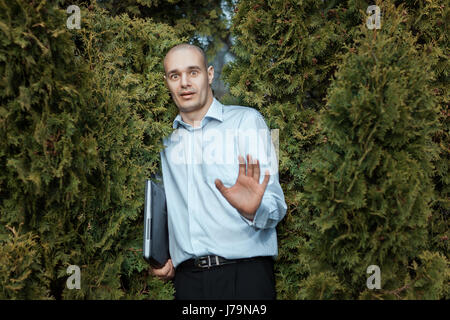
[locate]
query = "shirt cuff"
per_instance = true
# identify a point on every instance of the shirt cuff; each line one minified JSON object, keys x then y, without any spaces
{"x":264,"y":215}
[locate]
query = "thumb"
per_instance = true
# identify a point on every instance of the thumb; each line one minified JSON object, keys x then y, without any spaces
{"x":266,"y":179}
{"x":220,"y":186}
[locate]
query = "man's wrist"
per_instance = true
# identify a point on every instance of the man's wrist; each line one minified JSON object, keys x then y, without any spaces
{"x":260,"y":217}
{"x":248,"y":216}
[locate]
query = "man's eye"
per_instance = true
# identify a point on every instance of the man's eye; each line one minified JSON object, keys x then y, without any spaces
{"x":194,"y":73}
{"x":174,"y":76}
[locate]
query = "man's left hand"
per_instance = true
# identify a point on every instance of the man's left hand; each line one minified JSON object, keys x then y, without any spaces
{"x":246,"y":194}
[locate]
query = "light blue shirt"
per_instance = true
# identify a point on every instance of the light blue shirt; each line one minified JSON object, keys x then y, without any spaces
{"x":200,"y":220}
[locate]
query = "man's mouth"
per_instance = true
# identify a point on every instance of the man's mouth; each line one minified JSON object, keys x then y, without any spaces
{"x":187,"y":95}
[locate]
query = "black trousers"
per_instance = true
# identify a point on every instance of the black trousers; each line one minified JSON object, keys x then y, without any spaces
{"x":244,"y":280}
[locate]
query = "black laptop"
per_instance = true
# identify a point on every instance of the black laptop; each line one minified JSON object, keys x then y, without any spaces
{"x":156,"y":235}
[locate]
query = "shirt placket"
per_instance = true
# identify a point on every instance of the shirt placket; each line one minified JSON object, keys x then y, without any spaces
{"x":195,"y":229}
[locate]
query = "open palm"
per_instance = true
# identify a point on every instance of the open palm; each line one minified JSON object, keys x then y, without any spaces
{"x":246,"y":194}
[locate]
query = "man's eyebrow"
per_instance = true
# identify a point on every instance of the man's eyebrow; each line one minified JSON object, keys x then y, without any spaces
{"x":189,"y":68}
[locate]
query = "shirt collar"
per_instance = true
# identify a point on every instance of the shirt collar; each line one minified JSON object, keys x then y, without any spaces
{"x":215,"y":111}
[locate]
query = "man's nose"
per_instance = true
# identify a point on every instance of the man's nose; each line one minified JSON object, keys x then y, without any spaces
{"x":184,"y":80}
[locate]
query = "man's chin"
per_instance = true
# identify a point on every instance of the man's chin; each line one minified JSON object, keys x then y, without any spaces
{"x":189,"y":105}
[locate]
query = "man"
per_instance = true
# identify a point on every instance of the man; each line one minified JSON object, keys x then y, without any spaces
{"x":222,"y":239}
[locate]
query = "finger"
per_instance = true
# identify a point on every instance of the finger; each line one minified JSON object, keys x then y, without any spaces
{"x":257,"y":171}
{"x":164,"y":270}
{"x":266,"y":179}
{"x":249,"y":166}
{"x":220,"y":186}
{"x":171,"y":273}
{"x":168,"y":266}
{"x":241,"y":165}
{"x":158,"y":272}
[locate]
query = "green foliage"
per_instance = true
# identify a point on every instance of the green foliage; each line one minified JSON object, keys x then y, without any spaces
{"x":203,"y":22}
{"x":20,"y":267}
{"x":363,"y":120}
{"x":427,"y":22}
{"x":81,"y":129}
{"x":323,"y":285}
{"x":45,"y":152}
{"x":371,"y":182}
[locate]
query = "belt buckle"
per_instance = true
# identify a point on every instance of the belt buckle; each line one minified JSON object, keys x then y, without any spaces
{"x":205,"y":262}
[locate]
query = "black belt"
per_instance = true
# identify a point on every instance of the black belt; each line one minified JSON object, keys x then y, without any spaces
{"x":207,"y":262}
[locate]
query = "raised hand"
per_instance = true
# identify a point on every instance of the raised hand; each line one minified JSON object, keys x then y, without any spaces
{"x":246,"y":194}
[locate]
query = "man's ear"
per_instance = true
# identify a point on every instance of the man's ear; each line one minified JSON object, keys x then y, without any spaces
{"x":210,"y":74}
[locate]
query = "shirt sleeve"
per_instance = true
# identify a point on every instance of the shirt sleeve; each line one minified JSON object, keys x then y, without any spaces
{"x":255,"y":139}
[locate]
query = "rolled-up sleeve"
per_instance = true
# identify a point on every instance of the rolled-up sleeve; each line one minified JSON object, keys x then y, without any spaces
{"x":255,"y":139}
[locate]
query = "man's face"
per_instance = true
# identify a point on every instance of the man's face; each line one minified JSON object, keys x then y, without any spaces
{"x":187,"y":79}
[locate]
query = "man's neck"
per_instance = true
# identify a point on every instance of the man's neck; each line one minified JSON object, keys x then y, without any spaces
{"x":195,"y":118}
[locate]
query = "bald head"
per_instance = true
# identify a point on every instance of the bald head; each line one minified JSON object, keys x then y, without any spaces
{"x":189,"y":80}
{"x":187,"y":46}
